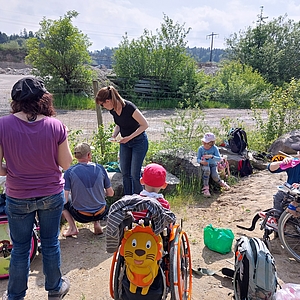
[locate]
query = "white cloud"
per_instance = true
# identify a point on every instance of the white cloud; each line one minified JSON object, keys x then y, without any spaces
{"x":106,"y":21}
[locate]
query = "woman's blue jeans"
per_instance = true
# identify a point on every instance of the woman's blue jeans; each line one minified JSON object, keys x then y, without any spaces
{"x":132,"y":155}
{"x":21,"y":214}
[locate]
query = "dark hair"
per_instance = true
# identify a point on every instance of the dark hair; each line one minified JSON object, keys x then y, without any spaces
{"x":32,"y":108}
{"x":109,"y":93}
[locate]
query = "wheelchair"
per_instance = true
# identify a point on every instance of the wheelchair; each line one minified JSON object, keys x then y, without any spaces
{"x":6,"y":243}
{"x":174,"y":275}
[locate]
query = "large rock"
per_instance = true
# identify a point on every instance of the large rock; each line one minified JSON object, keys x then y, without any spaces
{"x":181,"y":164}
{"x":284,"y":142}
{"x":116,"y":179}
{"x":234,"y":158}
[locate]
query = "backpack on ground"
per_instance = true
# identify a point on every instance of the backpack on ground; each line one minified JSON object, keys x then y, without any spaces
{"x":245,"y":167}
{"x":255,"y":275}
{"x":237,"y":140}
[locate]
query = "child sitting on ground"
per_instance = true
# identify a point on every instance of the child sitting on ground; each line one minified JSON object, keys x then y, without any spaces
{"x":153,"y":180}
{"x":208,"y":156}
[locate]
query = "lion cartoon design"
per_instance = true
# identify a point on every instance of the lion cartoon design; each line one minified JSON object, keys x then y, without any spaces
{"x":142,"y":250}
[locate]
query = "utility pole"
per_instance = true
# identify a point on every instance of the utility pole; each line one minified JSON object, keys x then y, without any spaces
{"x":211,"y":44}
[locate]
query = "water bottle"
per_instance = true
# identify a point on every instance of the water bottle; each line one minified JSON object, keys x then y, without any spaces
{"x":293,"y":163}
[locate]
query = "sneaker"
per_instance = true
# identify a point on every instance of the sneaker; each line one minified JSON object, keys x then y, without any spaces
{"x":4,"y":296}
{"x":271,"y":222}
{"x":206,"y":192}
{"x":58,"y":295}
{"x":224,"y":185}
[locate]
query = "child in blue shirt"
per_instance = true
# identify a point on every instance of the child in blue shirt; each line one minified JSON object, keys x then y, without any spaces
{"x":208,"y":156}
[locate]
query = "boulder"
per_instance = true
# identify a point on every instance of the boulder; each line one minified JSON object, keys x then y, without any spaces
{"x":116,"y":179}
{"x":180,"y":163}
{"x":284,"y":142}
{"x":234,"y":158}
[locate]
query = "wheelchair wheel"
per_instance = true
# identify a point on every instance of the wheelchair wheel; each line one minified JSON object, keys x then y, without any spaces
{"x":119,"y":288}
{"x":116,"y":274}
{"x":180,"y":273}
{"x":6,"y":247}
{"x":289,"y":234}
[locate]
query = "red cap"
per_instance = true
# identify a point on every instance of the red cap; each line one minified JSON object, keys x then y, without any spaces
{"x":154,"y":175}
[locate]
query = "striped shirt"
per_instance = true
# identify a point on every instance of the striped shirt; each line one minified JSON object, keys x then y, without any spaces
{"x":159,"y":197}
{"x":119,"y":216}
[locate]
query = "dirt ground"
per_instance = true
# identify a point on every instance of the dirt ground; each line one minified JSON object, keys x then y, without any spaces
{"x":87,"y":265}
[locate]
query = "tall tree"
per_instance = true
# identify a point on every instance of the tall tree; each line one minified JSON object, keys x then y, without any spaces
{"x":161,"y":56}
{"x":59,"y":54}
{"x":272,"y":48}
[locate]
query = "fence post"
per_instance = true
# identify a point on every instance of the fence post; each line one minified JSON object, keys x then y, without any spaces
{"x":98,"y":107}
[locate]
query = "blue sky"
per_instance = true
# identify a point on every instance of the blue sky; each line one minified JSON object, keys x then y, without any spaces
{"x":106,"y":21}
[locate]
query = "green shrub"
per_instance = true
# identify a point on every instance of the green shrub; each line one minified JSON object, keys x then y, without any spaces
{"x":283,"y":114}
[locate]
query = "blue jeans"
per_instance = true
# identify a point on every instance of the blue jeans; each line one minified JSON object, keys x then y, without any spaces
{"x":21,"y":214}
{"x":278,"y":199}
{"x":132,"y":155}
{"x":208,"y":171}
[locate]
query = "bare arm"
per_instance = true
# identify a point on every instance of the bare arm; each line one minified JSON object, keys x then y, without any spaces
{"x":64,"y":155}
{"x":2,"y":165}
{"x":138,"y":116}
{"x":67,"y":195}
{"x":116,"y":131}
{"x":109,"y":192}
{"x":276,"y":164}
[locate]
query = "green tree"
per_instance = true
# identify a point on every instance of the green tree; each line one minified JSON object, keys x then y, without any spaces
{"x":283,"y":112}
{"x":161,"y":56}
{"x":236,"y":85}
{"x":271,"y":48}
{"x":60,"y":56}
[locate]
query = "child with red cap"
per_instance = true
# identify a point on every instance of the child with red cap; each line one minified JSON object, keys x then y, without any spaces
{"x":153,"y":180}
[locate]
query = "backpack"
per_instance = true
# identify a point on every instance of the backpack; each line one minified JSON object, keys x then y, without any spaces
{"x":244,"y":167}
{"x":255,"y":275}
{"x":237,"y":140}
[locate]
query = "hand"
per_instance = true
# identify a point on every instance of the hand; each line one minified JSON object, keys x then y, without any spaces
{"x":287,"y":160}
{"x":124,"y":140}
{"x":207,"y":156}
{"x":203,"y":163}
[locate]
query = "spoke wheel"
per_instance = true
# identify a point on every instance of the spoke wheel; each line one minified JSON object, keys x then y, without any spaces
{"x":289,"y":234}
{"x":180,"y":268}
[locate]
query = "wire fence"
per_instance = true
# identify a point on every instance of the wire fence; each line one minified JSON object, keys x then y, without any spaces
{"x":86,"y":119}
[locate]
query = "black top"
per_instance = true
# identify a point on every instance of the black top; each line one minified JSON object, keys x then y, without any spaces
{"x":126,"y":122}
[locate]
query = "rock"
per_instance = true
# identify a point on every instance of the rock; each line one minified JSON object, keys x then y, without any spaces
{"x":116,"y":179}
{"x":181,"y":164}
{"x":234,"y":158}
{"x":284,"y":142}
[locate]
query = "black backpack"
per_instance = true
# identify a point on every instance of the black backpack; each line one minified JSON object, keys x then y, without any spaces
{"x":237,"y":140}
{"x":245,"y":167}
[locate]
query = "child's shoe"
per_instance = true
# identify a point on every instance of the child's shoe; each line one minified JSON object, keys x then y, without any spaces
{"x":224,"y":185}
{"x":206,"y":192}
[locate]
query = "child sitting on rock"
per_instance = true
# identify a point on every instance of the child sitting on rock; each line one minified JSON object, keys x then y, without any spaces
{"x":208,"y":156}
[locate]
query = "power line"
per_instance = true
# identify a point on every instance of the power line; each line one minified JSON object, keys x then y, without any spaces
{"x":211,"y":44}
